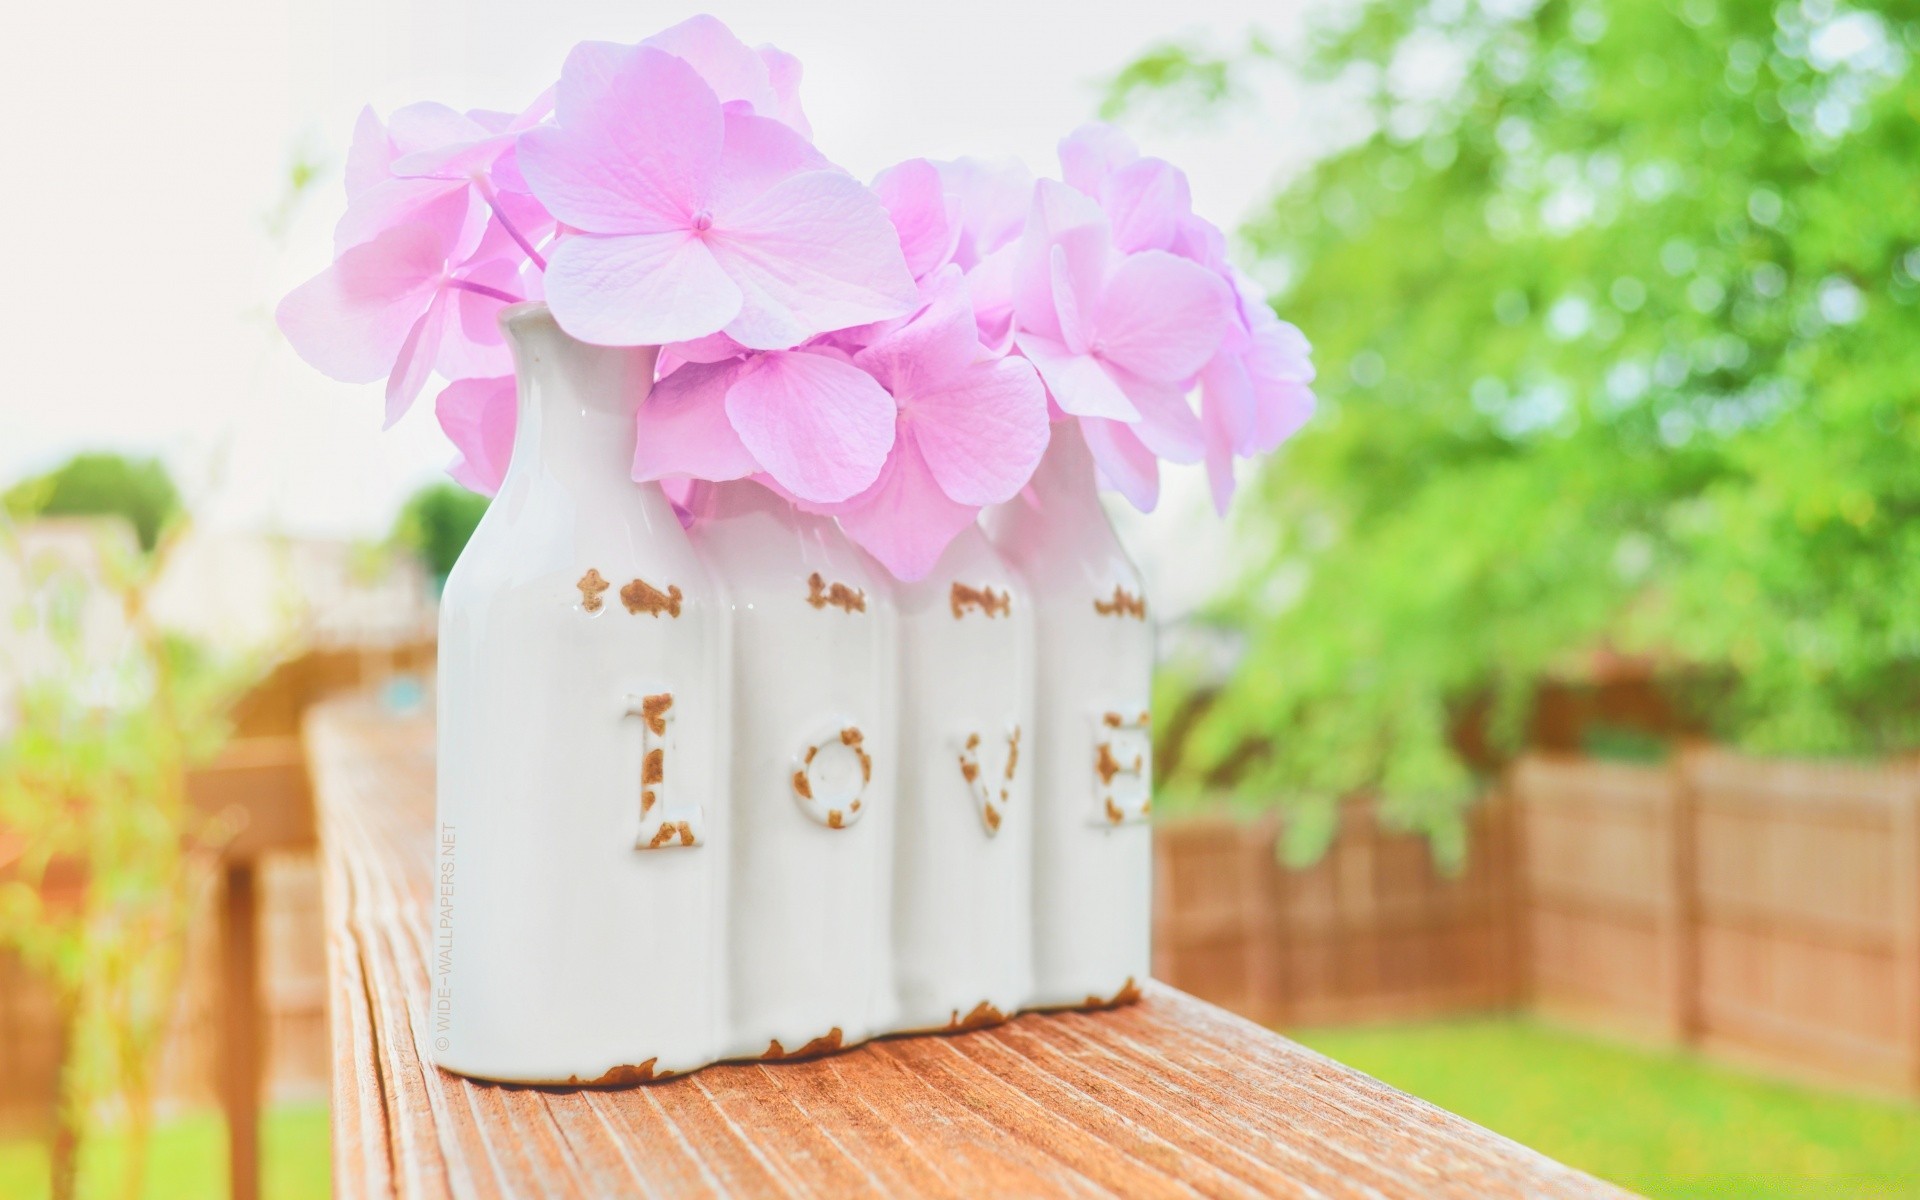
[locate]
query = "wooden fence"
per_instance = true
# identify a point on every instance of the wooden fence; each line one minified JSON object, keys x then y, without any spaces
{"x":1761,"y":910}
{"x":1371,"y":931}
{"x":1758,"y":910}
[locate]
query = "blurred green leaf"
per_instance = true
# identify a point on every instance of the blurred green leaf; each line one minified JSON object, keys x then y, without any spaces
{"x":138,"y":489}
{"x":436,"y":522}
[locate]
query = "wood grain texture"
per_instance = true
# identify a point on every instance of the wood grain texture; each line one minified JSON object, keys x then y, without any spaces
{"x":1167,"y":1097}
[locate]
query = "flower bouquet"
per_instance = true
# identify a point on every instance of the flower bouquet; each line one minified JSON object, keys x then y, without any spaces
{"x":793,"y":690}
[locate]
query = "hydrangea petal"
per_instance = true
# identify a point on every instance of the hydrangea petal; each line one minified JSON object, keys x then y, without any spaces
{"x":586,"y":80}
{"x":783,"y":75}
{"x":1278,"y":349}
{"x":1168,"y":426}
{"x":425,"y":125}
{"x":1283,"y":408}
{"x":1147,"y":201}
{"x":937,"y":343}
{"x":715,"y":347}
{"x":1075,"y":297}
{"x":479,"y":416}
{"x":905,"y":520}
{"x":1227,"y":402}
{"x":637,"y":158}
{"x":927,"y":218}
{"x":730,"y":67}
{"x":350,"y":321}
{"x":1092,"y":153}
{"x":1077,"y":382}
{"x":416,"y":358}
{"x":1219,"y":460}
{"x":369,"y":155}
{"x":640,"y":290}
{"x":821,"y":427}
{"x":394,"y":202}
{"x":814,"y":252}
{"x":1201,"y":241}
{"x":983,"y":431}
{"x":1126,"y":465}
{"x":994,"y":196}
{"x":990,"y":283}
{"x":472,"y":345}
{"x":1162,"y":317}
{"x":683,"y":430}
{"x":446,"y":144}
{"x":1278,"y":363}
{"x":1059,"y":219}
{"x":758,"y":153}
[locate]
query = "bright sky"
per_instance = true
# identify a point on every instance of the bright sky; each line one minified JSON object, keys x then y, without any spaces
{"x":150,"y":145}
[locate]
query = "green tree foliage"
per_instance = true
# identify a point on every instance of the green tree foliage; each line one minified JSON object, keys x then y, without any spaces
{"x":436,"y":522}
{"x":1617,"y":310}
{"x":90,"y":485}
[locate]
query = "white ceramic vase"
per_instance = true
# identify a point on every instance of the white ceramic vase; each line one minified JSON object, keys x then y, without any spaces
{"x":737,"y":795}
{"x":815,"y":755}
{"x":1092,"y":749}
{"x":964,"y":844}
{"x":578,"y":932}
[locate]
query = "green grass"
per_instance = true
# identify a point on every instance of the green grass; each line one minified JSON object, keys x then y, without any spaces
{"x":1664,"y":1124}
{"x":188,"y":1160}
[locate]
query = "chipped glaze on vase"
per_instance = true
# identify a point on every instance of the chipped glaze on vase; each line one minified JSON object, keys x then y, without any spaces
{"x":963,"y":847}
{"x":1092,"y":750}
{"x":578,"y":932}
{"x":811,"y":790}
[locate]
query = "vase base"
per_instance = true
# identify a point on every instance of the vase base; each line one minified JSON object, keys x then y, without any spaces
{"x":1129,"y":993}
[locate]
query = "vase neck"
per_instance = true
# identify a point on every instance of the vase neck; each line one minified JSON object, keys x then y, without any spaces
{"x":1057,"y":519}
{"x":744,"y":497}
{"x":576,"y":401}
{"x":1065,"y":483}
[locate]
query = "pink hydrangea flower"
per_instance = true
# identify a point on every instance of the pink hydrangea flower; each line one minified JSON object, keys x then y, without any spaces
{"x":1147,"y":201}
{"x":1118,"y":338}
{"x":809,"y":419}
{"x":692,"y":218}
{"x":386,"y":307}
{"x":993,"y":195}
{"x":427,"y":153}
{"x":1256,"y":391}
{"x":890,"y":356}
{"x":970,"y":429}
{"x":1109,"y":332}
{"x":1253,"y":390}
{"x":422,"y":270}
{"x":992,"y":198}
{"x":423,"y":296}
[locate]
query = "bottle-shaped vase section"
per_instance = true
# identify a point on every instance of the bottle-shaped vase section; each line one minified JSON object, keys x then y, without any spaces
{"x":579,"y":916}
{"x":1092,"y":742}
{"x":814,"y":711}
{"x":963,"y":849}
